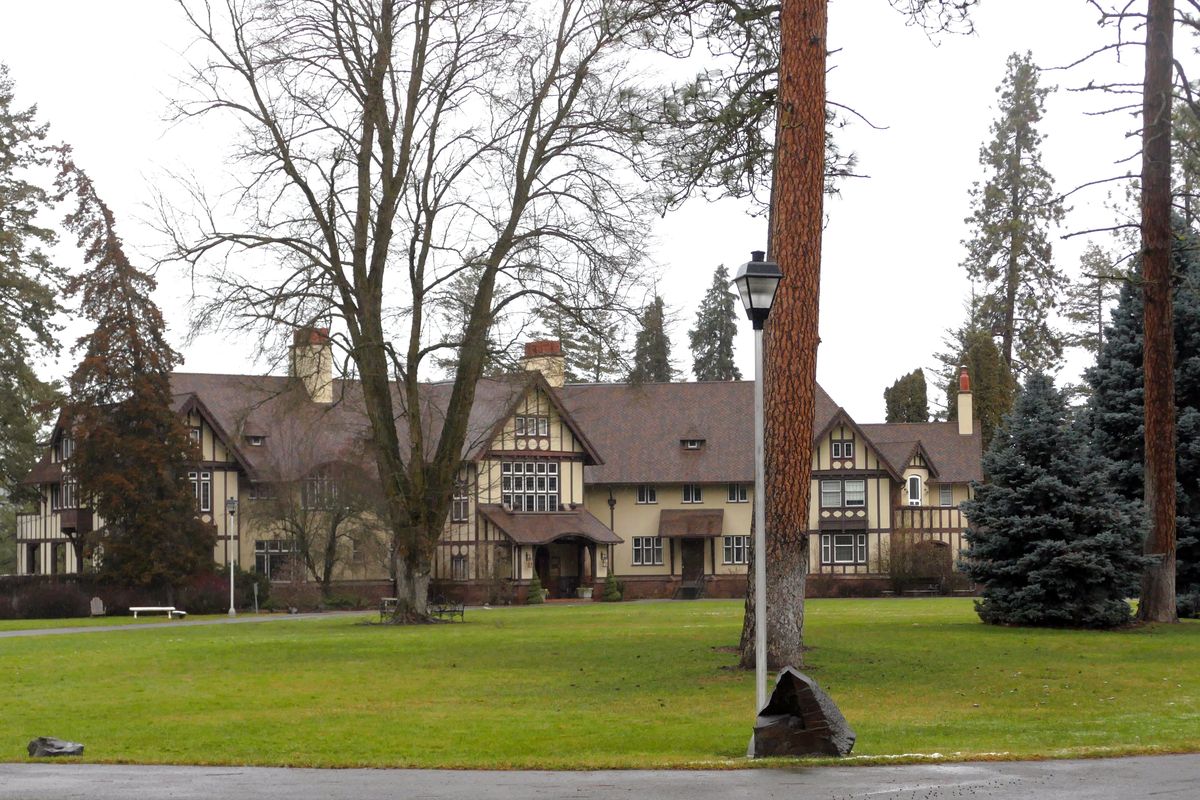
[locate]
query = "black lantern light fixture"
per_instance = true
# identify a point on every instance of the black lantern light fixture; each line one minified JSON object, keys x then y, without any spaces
{"x":756,"y":282}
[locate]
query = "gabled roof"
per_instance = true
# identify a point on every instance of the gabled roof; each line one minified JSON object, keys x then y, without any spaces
{"x":543,"y":528}
{"x":959,"y":458}
{"x":902,"y":453}
{"x":537,"y":381}
{"x":842,"y":417}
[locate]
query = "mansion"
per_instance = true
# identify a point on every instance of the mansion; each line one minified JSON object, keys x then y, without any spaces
{"x":652,"y":483}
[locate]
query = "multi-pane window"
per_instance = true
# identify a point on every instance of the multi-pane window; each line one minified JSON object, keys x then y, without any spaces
{"x":914,"y":490}
{"x":320,"y":491}
{"x":946,"y":495}
{"x":693,"y":493}
{"x":737,"y":549}
{"x":647,"y":494}
{"x":458,"y":568}
{"x":460,"y":505}
{"x":194,"y":434}
{"x":273,"y":558}
{"x":262,"y":491}
{"x":831,"y":494}
{"x":738,"y":493}
{"x":529,"y":485}
{"x":64,"y":495}
{"x":843,"y":548}
{"x":532,"y":426}
{"x":202,"y":489}
{"x":647,"y":551}
{"x":855,"y":493}
{"x":841,"y":449}
{"x":65,"y":448}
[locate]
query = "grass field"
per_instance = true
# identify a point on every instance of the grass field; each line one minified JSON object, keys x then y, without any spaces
{"x":624,"y":685}
{"x":89,"y":622}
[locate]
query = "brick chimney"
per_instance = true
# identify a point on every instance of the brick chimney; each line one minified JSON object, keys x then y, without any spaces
{"x":966,"y":407}
{"x":546,"y":356}
{"x":312,"y":362}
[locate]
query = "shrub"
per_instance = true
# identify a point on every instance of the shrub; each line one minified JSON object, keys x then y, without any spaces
{"x":536,"y":594}
{"x":341,"y":603}
{"x":1188,"y":605}
{"x":51,"y":601}
{"x":612,"y":589}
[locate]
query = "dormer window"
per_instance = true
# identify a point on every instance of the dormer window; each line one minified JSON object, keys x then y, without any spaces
{"x":255,"y":441}
{"x":692,"y":444}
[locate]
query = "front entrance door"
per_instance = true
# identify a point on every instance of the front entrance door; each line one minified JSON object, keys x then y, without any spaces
{"x":541,"y":565}
{"x":692,"y":552}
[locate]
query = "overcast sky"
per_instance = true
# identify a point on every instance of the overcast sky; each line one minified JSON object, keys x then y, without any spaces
{"x":101,"y":73}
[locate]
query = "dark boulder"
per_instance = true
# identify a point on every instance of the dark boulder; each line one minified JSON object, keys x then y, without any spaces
{"x":46,"y":746}
{"x":800,"y":720}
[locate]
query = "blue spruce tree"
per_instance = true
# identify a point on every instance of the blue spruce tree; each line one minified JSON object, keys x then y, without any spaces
{"x":1047,"y":539}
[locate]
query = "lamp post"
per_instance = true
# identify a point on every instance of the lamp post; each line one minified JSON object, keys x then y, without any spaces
{"x":756,"y":282}
{"x":231,"y":507}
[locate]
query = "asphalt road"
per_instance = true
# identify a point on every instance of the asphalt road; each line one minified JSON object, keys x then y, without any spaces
{"x":1159,"y":777}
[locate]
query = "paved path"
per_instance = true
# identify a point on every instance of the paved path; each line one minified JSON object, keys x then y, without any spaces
{"x":1159,"y":777}
{"x":141,"y":626}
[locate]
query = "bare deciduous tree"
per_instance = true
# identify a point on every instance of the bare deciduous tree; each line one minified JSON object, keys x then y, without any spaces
{"x":388,"y":146}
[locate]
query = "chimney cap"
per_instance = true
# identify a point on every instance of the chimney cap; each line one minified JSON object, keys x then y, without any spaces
{"x":543,"y":347}
{"x":305,"y":337}
{"x":964,"y":380}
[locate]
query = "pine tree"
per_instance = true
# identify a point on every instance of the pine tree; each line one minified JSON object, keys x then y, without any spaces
{"x":1116,"y":408}
{"x":992,"y":385}
{"x":1009,"y":250}
{"x":1088,"y":298}
{"x":651,"y":347}
{"x":131,"y":448}
{"x":1048,"y":541}
{"x":716,"y":328}
{"x":29,"y":283}
{"x":591,"y":340}
{"x":906,"y":399}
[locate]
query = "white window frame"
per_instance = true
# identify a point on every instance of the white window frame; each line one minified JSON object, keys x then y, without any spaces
{"x":647,"y":494}
{"x":647,"y":551}
{"x":202,"y":489}
{"x":946,"y":495}
{"x":739,"y":493}
{"x":823,"y":488}
{"x":530,"y":486}
{"x":693,"y":493}
{"x":914,"y":501}
{"x":460,"y":503}
{"x":835,"y":449}
{"x":832,"y":543}
{"x":693,"y":444}
{"x":737,"y":550}
{"x":846,"y":502}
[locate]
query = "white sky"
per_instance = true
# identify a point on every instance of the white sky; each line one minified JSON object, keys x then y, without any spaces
{"x":101,"y":73}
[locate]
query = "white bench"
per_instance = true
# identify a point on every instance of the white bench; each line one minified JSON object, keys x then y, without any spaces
{"x":168,"y":610}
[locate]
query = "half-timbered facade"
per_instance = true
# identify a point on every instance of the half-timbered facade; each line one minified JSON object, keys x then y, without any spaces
{"x":651,"y":482}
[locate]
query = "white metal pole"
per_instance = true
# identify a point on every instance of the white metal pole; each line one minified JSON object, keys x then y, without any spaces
{"x":229,"y":538}
{"x":760,"y":538}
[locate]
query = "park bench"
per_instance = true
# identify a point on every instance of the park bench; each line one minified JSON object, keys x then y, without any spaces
{"x":440,"y":607}
{"x":387,"y":607}
{"x":170,"y":611}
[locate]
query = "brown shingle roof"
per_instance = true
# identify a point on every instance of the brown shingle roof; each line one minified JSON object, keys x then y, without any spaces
{"x":677,"y":522}
{"x":44,"y":471}
{"x":638,"y":429}
{"x":542,"y":528}
{"x":957,"y":458}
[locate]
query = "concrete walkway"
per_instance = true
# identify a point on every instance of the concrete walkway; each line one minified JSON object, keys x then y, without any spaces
{"x":1160,"y":777}
{"x":141,"y":626}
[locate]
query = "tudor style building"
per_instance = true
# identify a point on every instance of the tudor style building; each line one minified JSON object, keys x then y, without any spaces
{"x":651,"y":482}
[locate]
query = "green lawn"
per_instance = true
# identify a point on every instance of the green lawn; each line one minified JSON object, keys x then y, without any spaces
{"x":88,"y":622}
{"x":625,"y":685}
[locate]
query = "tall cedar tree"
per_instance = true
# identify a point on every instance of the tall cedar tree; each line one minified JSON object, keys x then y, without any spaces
{"x":131,"y":448}
{"x":1116,"y":407}
{"x":716,"y":327}
{"x":1048,"y":541}
{"x":652,"y":347}
{"x":907,"y":399}
{"x":1088,"y":298}
{"x":1013,"y":211}
{"x":591,"y":341}
{"x":29,"y":284}
{"x":992,"y":384}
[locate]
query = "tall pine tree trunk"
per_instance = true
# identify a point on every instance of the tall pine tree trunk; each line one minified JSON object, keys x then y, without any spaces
{"x":790,"y":347}
{"x":1158,"y":582}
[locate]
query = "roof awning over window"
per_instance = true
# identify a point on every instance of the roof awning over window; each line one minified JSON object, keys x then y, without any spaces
{"x":691,"y":523}
{"x":545,"y":527}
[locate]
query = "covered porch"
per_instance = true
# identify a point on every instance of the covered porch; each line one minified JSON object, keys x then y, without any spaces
{"x":691,"y":531}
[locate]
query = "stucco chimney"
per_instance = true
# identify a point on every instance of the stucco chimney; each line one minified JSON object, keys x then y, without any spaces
{"x":546,"y":356}
{"x":966,"y":408}
{"x":312,"y":362}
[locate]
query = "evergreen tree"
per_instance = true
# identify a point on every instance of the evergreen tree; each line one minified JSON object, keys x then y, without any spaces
{"x":651,"y":347}
{"x":131,"y":448}
{"x":454,"y":303}
{"x":1048,"y":541}
{"x":29,"y":284}
{"x":591,"y":340}
{"x":716,"y":327}
{"x":1087,"y":299}
{"x":906,"y":399}
{"x":992,"y":384}
{"x":1116,"y":406}
{"x":1009,"y":251}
